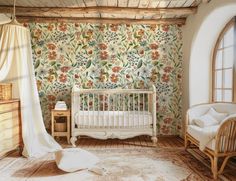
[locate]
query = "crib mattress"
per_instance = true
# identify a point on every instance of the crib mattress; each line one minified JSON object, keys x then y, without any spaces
{"x":113,"y":118}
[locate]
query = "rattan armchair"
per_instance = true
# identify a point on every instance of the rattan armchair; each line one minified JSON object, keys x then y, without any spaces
{"x":224,"y":143}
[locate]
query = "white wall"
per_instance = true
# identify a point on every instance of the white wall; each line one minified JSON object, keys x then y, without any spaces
{"x":199,"y":37}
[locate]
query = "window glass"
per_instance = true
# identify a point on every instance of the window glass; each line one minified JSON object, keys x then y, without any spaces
{"x":219,"y":83}
{"x":229,"y":37}
{"x":228,"y":75}
{"x":228,"y":57}
{"x":223,"y":68}
{"x":218,"y":95}
{"x":228,"y":95}
{"x":219,"y":59}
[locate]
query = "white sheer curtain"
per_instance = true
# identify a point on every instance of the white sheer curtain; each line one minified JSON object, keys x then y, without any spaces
{"x":16,"y":66}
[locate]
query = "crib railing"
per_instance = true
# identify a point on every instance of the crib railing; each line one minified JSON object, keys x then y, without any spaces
{"x":114,"y":109}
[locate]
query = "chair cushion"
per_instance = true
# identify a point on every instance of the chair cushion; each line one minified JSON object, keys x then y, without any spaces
{"x":73,"y":159}
{"x":218,"y":116}
{"x":205,"y":120}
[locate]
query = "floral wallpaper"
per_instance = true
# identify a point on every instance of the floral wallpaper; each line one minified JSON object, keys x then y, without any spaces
{"x":109,"y":56}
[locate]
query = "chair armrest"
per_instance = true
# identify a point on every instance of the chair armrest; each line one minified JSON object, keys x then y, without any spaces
{"x":226,"y":136}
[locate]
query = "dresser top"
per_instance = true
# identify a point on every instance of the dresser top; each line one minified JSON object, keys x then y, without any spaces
{"x":9,"y":101}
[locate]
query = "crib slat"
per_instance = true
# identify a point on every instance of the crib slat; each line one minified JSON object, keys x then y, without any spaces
{"x":138,"y":109}
{"x":114,"y":104}
{"x":83,"y":110}
{"x":128,"y":110}
{"x":143,"y":109}
{"x":79,"y":111}
{"x":123,"y":102}
{"x":93,"y":111}
{"x":118,"y":109}
{"x":108,"y":124}
{"x":98,"y":110}
{"x":133,"y":111}
{"x":88,"y":110}
{"x":103,"y":108}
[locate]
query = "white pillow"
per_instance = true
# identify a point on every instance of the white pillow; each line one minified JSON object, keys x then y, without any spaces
{"x":205,"y":121}
{"x":73,"y":159}
{"x":218,"y":116}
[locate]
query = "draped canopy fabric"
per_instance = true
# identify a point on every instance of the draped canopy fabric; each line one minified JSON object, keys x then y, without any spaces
{"x":16,"y":66}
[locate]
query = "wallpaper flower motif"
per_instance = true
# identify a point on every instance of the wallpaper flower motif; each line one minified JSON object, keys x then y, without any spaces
{"x":109,"y":56}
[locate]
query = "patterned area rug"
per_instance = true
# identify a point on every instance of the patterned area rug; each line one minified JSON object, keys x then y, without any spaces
{"x":146,"y":164}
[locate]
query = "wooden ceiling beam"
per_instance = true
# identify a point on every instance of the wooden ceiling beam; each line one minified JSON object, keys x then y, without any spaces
{"x":178,"y":21}
{"x":72,"y":11}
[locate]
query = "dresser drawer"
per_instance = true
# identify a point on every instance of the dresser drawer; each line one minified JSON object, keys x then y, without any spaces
{"x":4,"y":108}
{"x":8,"y":120}
{"x":9,"y":144}
{"x":10,"y":133}
{"x":60,"y":113}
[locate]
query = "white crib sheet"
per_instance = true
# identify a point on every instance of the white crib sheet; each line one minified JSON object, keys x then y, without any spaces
{"x":113,"y":118}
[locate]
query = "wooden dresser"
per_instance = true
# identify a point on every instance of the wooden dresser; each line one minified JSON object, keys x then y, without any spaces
{"x":10,"y":126}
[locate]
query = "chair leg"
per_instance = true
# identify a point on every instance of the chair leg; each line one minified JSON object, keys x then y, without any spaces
{"x":215,"y":167}
{"x":186,"y":143}
{"x":223,"y":164}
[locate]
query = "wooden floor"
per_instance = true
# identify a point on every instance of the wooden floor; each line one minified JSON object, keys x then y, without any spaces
{"x":136,"y":142}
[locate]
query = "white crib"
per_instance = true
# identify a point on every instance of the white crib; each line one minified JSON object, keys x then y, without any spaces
{"x":113,"y":113}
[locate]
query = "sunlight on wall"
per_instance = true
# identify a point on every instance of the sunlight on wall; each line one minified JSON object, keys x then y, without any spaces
{"x":201,"y":33}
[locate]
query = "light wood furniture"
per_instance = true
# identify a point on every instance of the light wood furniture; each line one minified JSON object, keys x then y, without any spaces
{"x":113,"y":113}
{"x":224,"y":143}
{"x":60,"y":128}
{"x":10,"y":127}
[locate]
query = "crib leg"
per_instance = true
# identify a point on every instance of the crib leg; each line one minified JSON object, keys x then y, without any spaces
{"x":73,"y":139}
{"x":154,"y":140}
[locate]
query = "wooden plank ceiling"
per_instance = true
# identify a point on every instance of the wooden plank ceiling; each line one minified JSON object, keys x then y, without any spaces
{"x":110,"y":11}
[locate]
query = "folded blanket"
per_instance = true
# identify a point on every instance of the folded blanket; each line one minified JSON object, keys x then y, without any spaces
{"x":208,"y":134}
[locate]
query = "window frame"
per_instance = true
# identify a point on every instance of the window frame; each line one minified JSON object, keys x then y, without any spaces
{"x":231,"y":23}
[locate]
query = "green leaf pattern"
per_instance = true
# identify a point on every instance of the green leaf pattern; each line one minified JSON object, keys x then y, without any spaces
{"x":110,"y":56}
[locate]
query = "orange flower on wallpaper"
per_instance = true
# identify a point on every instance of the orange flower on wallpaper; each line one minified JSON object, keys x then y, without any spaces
{"x":153,"y":46}
{"x":51,"y":46}
{"x":90,"y":33}
{"x":103,"y":55}
{"x":153,"y":27}
{"x":63,"y":78}
{"x":50,"y":27}
{"x":167,"y":69}
{"x":37,"y":33}
{"x":165,"y":78}
{"x":52,"y":55}
{"x":50,"y":78}
{"x":155,"y":55}
{"x":165,"y":28}
{"x":101,"y":27}
{"x":90,"y":84}
{"x":51,"y":97}
{"x":114,"y":27}
{"x":114,"y":78}
{"x":102,"y":78}
{"x":62,"y":27}
{"x":102,"y":46}
{"x":65,"y":69}
{"x":141,"y":32}
{"x":168,"y":120}
{"x":116,"y":69}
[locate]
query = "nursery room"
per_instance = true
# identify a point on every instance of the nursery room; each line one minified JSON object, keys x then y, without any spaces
{"x":139,"y":90}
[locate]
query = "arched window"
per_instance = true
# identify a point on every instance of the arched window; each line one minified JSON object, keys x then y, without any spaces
{"x":224,"y":63}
